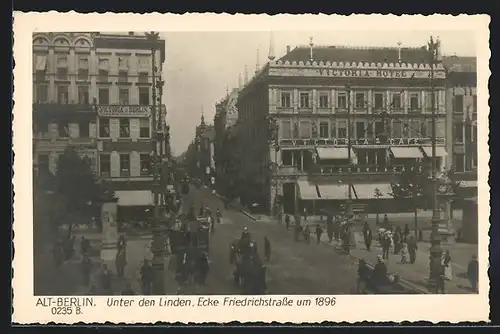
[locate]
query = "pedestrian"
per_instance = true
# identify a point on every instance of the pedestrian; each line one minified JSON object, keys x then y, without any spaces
{"x":385,"y":223}
{"x":146,"y":278}
{"x":120,"y":262}
{"x":404,"y":253}
{"x":304,"y":213}
{"x":84,"y":246}
{"x":319,"y":232}
{"x":386,"y":245}
{"x":438,"y":276}
{"x":297,"y":219}
{"x":267,"y":249}
{"x":86,"y":269}
{"x":396,"y":238}
{"x":406,"y":233}
{"x":446,"y":262}
{"x":346,"y":239}
{"x":336,"y":228}
{"x":128,"y":290}
{"x":219,"y":216}
{"x":367,"y":235}
{"x":379,"y":274}
{"x":105,"y":280}
{"x":287,"y":221}
{"x":473,"y":273}
{"x":121,"y":243}
{"x":203,"y":268}
{"x":363,"y":276}
{"x":412,"y":248}
{"x":307,"y":234}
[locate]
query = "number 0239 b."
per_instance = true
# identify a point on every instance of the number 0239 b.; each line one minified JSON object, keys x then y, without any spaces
{"x":325,"y":301}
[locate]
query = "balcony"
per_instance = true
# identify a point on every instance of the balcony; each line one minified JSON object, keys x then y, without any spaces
{"x":290,"y":170}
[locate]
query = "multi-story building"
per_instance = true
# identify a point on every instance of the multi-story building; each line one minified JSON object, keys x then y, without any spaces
{"x":313,"y":93}
{"x":462,"y":121}
{"x":95,"y":91}
{"x":205,"y":151}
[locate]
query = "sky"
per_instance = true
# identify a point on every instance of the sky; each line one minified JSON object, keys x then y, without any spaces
{"x":200,"y":66}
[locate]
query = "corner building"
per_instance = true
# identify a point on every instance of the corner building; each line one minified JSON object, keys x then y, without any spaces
{"x":94,"y":91}
{"x":312,"y":93}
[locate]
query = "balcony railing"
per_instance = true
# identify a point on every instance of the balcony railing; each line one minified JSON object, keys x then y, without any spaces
{"x":355,"y":169}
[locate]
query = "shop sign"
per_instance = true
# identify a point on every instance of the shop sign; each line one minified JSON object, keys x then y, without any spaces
{"x":123,"y":111}
{"x":341,"y":142}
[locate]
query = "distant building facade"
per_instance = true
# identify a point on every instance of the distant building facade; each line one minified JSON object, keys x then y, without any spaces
{"x":94,"y":91}
{"x":313,"y":93}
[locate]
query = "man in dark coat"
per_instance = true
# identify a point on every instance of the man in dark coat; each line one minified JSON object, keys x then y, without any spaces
{"x":329,"y":228}
{"x":287,"y":221}
{"x":267,"y":249}
{"x":319,"y":232}
{"x":86,"y":269}
{"x":147,"y":276}
{"x":412,"y":248}
{"x":367,"y":235}
{"x":473,"y":273}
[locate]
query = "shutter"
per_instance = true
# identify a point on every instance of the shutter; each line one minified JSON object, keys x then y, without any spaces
{"x":115,"y":164}
{"x":74,"y":130}
{"x":114,"y":125}
{"x":135,"y":164}
{"x":134,"y":129}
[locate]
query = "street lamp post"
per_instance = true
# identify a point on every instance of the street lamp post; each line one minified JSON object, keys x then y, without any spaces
{"x":157,"y":246}
{"x":348,"y":207}
{"x":435,"y":250}
{"x":273,"y":138}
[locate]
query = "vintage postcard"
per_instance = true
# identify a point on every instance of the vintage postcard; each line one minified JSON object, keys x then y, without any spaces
{"x":214,"y":168}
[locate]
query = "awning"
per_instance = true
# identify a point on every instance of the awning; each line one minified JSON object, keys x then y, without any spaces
{"x":333,"y":191}
{"x":307,"y":190}
{"x":331,"y":153}
{"x":406,"y":152}
{"x":134,"y":197}
{"x":468,"y":184}
{"x":440,"y":151}
{"x":41,"y":63}
{"x":368,"y":191}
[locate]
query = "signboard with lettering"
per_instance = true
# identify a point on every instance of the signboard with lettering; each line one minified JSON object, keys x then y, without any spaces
{"x":381,"y":73}
{"x":342,"y":142}
{"x":124,"y":111}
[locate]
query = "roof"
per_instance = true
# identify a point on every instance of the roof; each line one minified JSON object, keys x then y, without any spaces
{"x":353,"y":54}
{"x":460,"y":64}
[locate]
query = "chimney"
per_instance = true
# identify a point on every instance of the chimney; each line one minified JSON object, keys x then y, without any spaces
{"x":311,"y":44}
{"x":271,"y":47}
{"x":288,"y":49}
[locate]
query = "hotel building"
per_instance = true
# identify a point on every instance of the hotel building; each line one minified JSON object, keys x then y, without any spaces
{"x":313,"y":93}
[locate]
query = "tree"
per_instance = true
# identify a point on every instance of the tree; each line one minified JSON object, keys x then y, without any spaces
{"x":412,"y":185}
{"x":77,"y":186}
{"x":378,"y":194}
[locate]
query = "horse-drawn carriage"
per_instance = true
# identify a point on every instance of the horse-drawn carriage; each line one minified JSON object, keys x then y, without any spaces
{"x":249,"y":271}
{"x":189,"y":244}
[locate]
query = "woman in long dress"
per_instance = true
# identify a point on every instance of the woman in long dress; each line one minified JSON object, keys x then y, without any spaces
{"x":446,"y":262}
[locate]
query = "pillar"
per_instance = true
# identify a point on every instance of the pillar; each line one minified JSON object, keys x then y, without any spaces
{"x":109,"y":235}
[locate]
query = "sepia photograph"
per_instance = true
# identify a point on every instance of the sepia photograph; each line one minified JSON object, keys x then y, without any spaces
{"x":256,"y":162}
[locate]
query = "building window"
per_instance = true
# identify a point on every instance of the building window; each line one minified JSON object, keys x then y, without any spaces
{"x":458,"y":134}
{"x":122,"y":62}
{"x":103,"y":75}
{"x":105,"y":164}
{"x":143,"y":77}
{"x":414,"y":129}
{"x":104,"y":128}
{"x":144,"y":128}
{"x":122,"y":77}
{"x":414,"y":102}
{"x":429,"y":96}
{"x":61,"y":73}
{"x":369,"y":130}
{"x":305,"y":129}
{"x":342,"y":100}
{"x":323,"y":130}
{"x":440,"y":128}
{"x":103,"y":95}
{"x":379,"y":100}
{"x":43,"y":163}
{"x":62,"y":94}
{"x":124,"y":164}
{"x":145,"y":160}
{"x":458,"y":104}
{"x":360,"y":100}
{"x":396,"y":129}
{"x":286,"y":158}
{"x":83,"y":74}
{"x":323,"y":100}
{"x":124,"y":127}
{"x":474,"y":103}
{"x":42,"y":127}
{"x":83,"y":95}
{"x":42,"y":93}
{"x":63,"y":130}
{"x":40,"y":75}
{"x":304,"y":100}
{"x":286,"y":129}
{"x":396,"y":100}
{"x":144,"y":96}
{"x":286,"y":98}
{"x":144,"y":62}
{"x":379,"y":128}
{"x":123,"y":96}
{"x":342,"y":130}
{"x":459,"y":162}
{"x":360,"y":130}
{"x":84,"y":127}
